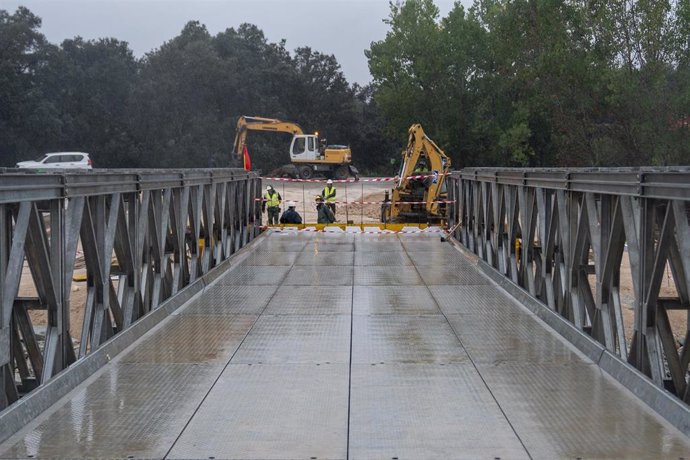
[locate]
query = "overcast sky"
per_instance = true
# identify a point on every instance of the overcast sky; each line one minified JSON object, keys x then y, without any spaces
{"x":344,"y":28}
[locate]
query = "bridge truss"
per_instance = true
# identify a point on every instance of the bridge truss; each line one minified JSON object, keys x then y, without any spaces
{"x":142,"y":236}
{"x":561,"y":235}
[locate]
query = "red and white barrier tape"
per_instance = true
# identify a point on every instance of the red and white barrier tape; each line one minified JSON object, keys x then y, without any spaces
{"x":379,"y":232}
{"x":368,"y":179}
{"x":369,"y":202}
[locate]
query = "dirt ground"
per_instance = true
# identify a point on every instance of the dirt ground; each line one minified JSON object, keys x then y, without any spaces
{"x":77,"y":301}
{"x":353,"y":212}
{"x":677,"y":318}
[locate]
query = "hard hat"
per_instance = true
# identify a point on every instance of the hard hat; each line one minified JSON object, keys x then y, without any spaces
{"x":291,"y":204}
{"x":318,"y":198}
{"x":269,"y":187}
{"x":329,"y":181}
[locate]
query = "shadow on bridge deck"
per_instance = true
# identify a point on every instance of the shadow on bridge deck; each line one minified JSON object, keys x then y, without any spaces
{"x":350,"y":346}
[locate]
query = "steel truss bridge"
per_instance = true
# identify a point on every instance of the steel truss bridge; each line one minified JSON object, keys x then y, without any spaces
{"x":202,"y":336}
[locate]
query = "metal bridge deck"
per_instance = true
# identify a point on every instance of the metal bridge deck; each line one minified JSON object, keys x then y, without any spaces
{"x":334,"y":346}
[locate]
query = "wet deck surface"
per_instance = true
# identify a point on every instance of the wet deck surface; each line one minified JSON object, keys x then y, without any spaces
{"x":350,"y":346}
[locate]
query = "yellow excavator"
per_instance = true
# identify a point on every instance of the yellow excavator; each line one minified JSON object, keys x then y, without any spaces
{"x":418,"y":199}
{"x":309,"y":155}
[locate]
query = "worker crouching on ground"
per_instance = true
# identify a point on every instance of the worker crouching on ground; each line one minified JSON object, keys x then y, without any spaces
{"x":325,"y":215}
{"x":290,"y":216}
{"x":328,"y":195}
{"x":271,"y":202}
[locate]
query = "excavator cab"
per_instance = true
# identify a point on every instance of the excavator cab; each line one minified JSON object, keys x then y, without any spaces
{"x":304,"y":147}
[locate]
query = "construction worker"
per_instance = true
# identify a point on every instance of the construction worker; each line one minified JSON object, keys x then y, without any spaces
{"x":271,"y":202}
{"x":291,"y":216}
{"x":328,"y":194}
{"x":325,"y":215}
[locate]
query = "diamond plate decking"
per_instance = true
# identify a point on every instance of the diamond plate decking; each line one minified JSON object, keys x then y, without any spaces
{"x":319,"y":346}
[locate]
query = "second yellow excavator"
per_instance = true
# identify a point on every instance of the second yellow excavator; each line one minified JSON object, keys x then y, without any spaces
{"x":420,"y":190}
{"x":309,"y":154}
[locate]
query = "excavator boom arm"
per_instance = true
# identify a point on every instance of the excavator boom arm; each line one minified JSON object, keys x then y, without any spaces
{"x":421,"y":149}
{"x":246,"y":124}
{"x":420,"y":145}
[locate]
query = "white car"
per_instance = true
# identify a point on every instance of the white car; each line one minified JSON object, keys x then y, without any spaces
{"x":60,"y":160}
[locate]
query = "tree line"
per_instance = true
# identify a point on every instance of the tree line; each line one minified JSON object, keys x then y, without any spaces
{"x":504,"y":83}
{"x":541,"y":82}
{"x":177,"y":106}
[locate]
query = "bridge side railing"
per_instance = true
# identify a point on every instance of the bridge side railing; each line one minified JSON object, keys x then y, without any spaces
{"x":562,"y":235}
{"x":138,"y":239}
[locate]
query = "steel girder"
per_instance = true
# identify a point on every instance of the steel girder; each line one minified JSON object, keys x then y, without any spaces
{"x":143,"y":237}
{"x":561,"y":235}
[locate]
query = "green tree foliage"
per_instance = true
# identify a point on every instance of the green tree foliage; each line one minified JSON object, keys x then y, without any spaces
{"x":541,"y":82}
{"x":178,"y":101}
{"x":408,"y":67}
{"x":90,"y":84}
{"x":23,"y":52}
{"x":383,"y":152}
{"x":322,"y":97}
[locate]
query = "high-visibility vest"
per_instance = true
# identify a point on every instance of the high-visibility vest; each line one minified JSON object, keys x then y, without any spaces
{"x":329,"y":194}
{"x":272,"y":199}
